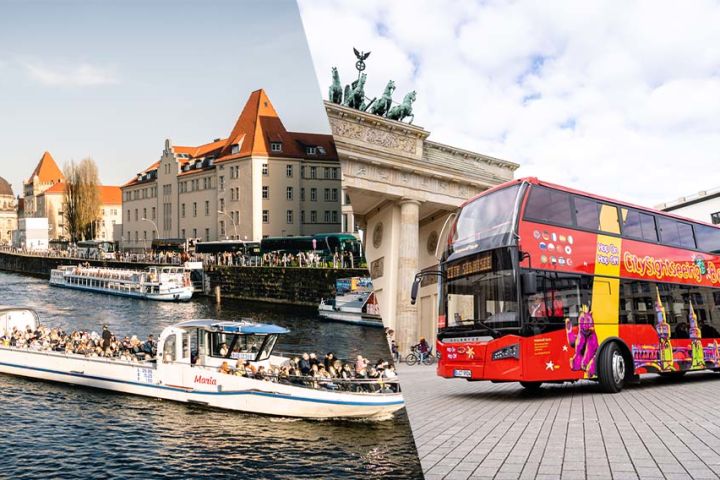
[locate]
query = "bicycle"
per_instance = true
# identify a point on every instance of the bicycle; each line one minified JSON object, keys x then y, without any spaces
{"x":414,"y":357}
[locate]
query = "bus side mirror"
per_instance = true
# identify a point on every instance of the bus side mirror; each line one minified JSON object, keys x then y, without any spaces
{"x":414,"y":290}
{"x":529,"y":283}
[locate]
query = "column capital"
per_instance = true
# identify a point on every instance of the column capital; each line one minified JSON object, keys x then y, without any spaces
{"x":410,"y":201}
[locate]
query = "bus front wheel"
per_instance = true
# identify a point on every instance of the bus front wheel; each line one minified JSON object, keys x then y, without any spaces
{"x":612,"y":368}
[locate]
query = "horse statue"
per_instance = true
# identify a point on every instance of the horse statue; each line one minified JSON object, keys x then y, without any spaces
{"x":404,"y":110}
{"x":336,"y":90}
{"x":382,"y":106}
{"x":355,"y":93}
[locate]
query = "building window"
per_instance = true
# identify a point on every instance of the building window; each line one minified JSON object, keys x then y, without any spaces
{"x":334,"y":196}
{"x":144,"y":213}
{"x":194,"y":232}
{"x":311,"y":150}
{"x":327,"y":216}
{"x":302,"y":171}
{"x":265,"y":191}
{"x":194,"y":209}
{"x":289,"y":193}
{"x":207,"y":234}
{"x":276,"y":146}
{"x":334,"y":216}
{"x":302,"y":216}
{"x":128,"y":215}
{"x":302,"y":194}
{"x":715,"y":217}
{"x":289,"y":171}
{"x":153,"y":213}
{"x":182,"y":210}
{"x":222,"y":183}
{"x":313,"y":172}
{"x":266,"y":216}
{"x":327,"y":194}
{"x":207,"y":208}
{"x":328,"y":173}
{"x":222,"y":205}
{"x":313,"y":216}
{"x":313,"y":194}
{"x":265,"y":169}
{"x":182,"y":233}
{"x":136,"y":214}
{"x":289,"y":216}
{"x":222,"y":228}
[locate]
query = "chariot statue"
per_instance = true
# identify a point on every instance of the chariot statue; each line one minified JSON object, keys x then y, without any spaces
{"x":404,"y":110}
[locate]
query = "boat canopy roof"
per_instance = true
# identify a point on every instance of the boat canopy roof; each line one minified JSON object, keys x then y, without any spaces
{"x":242,"y":327}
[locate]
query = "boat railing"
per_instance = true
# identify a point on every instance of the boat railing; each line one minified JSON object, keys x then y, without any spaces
{"x":79,"y":356}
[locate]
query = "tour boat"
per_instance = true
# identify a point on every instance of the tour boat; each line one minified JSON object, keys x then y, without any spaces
{"x":165,"y":283}
{"x":186,"y":369}
{"x":355,"y":302}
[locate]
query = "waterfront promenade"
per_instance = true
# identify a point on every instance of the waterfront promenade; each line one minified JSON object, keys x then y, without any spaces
{"x":658,"y":429}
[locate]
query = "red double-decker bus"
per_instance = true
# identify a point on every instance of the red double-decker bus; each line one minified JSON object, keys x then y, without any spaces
{"x":544,"y":284}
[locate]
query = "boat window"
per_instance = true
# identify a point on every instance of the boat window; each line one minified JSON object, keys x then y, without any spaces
{"x":169,"y":349}
{"x":234,"y":346}
{"x":268,"y":347}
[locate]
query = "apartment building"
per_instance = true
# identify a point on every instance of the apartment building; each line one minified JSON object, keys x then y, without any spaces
{"x":8,"y":212}
{"x":261,"y":180}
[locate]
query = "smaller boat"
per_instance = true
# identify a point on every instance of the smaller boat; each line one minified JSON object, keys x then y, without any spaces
{"x":355,"y":302}
{"x":189,"y":367}
{"x":164,"y":283}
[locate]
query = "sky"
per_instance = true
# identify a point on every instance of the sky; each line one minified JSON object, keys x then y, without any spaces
{"x":113,"y":80}
{"x":617,"y":97}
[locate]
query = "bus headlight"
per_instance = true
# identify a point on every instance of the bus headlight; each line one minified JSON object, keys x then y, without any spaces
{"x":511,"y":351}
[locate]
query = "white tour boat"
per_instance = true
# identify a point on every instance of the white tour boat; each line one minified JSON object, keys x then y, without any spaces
{"x":355,"y":302}
{"x":167,"y":283}
{"x":186,"y":370}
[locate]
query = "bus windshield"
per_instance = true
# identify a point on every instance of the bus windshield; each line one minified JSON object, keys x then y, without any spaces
{"x":484,"y":303}
{"x":486,"y":222}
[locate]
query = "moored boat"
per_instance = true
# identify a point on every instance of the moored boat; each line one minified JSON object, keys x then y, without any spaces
{"x":186,"y":369}
{"x":355,"y":302}
{"x":164,"y":283}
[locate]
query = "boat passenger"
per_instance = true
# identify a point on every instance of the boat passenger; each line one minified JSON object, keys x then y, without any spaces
{"x":240,"y":368}
{"x":225,"y":368}
{"x":305,"y":365}
{"x":223,"y":349}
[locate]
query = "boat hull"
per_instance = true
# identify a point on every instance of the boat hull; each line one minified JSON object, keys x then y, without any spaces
{"x":173,"y":295}
{"x":350,"y":317}
{"x":176,"y":384}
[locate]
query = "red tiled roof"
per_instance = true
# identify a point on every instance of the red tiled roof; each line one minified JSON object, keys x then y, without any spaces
{"x":47,"y":170}
{"x":109,"y":195}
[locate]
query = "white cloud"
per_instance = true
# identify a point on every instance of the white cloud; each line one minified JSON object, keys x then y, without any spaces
{"x":614,"y":97}
{"x":80,"y":75}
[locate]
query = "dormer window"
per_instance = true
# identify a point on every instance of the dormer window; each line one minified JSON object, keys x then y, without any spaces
{"x":311,"y":150}
{"x":321,"y":150}
{"x":276,"y":146}
{"x":235,"y":148}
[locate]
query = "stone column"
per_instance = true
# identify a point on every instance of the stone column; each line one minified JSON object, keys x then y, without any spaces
{"x":406,"y":314}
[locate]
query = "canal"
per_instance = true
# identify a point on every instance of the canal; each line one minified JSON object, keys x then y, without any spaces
{"x":59,"y":431}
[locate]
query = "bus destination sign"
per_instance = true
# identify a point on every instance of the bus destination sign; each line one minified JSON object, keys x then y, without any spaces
{"x":479,"y":264}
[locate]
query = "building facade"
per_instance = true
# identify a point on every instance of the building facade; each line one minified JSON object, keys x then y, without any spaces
{"x":703,"y":206}
{"x":46,"y":174}
{"x":8,"y":212}
{"x":51,"y":201}
{"x":260,"y":181}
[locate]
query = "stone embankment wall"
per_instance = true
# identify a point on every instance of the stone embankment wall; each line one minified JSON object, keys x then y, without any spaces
{"x":292,"y":285}
{"x":299,"y":286}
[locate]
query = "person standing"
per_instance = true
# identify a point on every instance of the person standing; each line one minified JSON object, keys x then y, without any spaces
{"x":106,"y":337}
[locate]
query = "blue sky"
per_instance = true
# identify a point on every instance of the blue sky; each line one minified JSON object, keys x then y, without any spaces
{"x":615,"y":97}
{"x":112,"y":80}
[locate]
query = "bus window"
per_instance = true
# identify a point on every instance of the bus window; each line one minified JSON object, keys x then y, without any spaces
{"x":596,"y":215}
{"x":547,"y":205}
{"x":708,"y":238}
{"x":559,"y":297}
{"x":676,"y":233}
{"x":638,"y":225}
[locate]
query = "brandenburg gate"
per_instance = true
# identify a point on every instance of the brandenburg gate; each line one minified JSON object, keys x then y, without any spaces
{"x":402,"y":188}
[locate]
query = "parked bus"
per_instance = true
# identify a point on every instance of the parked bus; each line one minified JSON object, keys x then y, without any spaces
{"x":96,"y":249}
{"x":233,"y":246}
{"x":324,"y":243}
{"x":544,"y":284}
{"x":177,"y":245}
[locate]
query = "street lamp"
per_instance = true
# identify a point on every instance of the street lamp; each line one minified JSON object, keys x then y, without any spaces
{"x":233,"y":222}
{"x":157,"y":232}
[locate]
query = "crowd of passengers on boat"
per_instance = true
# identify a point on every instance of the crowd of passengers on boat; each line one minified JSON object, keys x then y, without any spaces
{"x":306,"y":370}
{"x":331,"y":373}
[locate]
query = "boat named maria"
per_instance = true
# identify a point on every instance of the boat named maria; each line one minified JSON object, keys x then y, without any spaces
{"x":165,"y":283}
{"x":187,"y":368}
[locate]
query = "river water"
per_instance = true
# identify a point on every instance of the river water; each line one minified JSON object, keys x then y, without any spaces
{"x":50,"y":430}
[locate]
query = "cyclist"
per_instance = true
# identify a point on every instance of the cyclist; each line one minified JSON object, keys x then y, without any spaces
{"x":423,"y":349}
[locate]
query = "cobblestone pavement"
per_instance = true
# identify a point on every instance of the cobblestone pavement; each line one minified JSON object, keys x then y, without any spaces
{"x":659,"y":429}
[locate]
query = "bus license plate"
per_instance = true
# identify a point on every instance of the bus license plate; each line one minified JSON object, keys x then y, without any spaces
{"x":462,"y":373}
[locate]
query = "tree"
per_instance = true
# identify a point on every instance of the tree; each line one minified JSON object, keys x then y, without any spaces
{"x":82,"y":198}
